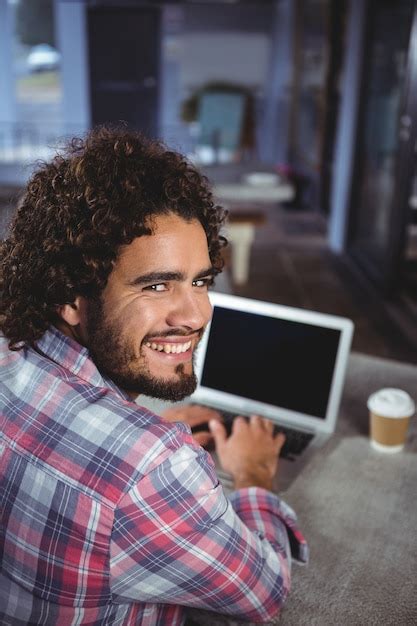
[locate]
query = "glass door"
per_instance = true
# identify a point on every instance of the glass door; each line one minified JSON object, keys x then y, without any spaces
{"x":381,"y":210}
{"x":409,"y":282}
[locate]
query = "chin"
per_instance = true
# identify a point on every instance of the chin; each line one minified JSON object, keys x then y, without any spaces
{"x":173,"y":388}
{"x":170,"y":390}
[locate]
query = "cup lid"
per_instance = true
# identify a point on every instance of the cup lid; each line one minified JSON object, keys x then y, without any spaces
{"x":391,"y":402}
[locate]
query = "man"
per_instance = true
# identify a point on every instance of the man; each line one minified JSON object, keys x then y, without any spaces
{"x":110,"y":514}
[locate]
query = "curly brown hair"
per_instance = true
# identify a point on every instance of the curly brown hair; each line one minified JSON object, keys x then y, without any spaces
{"x":95,"y":196}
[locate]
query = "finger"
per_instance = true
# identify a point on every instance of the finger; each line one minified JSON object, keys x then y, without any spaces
{"x":263,"y":423}
{"x":199,"y":409}
{"x":206,"y":414}
{"x":198,"y":414}
{"x":279,"y":441}
{"x":239,"y":423}
{"x":204,"y":439}
{"x":191,"y":414}
{"x":173,"y":414}
{"x":256,"y":420}
{"x":218,"y":431}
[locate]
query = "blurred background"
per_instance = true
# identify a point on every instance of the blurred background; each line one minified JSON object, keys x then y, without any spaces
{"x":302,"y":113}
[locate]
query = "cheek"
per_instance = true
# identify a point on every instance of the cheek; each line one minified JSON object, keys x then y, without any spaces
{"x":137,"y":320}
{"x":123,"y":313}
{"x":208,"y":312}
{"x":133,"y":318}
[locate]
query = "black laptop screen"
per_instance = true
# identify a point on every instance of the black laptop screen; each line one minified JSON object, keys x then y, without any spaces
{"x":276,"y":361}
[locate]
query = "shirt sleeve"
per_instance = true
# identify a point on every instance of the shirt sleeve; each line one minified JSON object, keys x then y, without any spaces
{"x":177,"y":539}
{"x":260,"y":509}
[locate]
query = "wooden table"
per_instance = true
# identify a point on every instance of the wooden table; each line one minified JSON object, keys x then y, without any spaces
{"x":358,"y":510}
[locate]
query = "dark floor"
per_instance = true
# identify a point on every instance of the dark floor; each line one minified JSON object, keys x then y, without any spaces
{"x":291,"y":264}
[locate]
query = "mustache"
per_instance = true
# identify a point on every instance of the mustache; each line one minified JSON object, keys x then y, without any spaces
{"x":179,"y":332}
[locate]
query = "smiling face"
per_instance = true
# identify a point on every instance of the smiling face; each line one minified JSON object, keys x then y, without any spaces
{"x":144,"y":329}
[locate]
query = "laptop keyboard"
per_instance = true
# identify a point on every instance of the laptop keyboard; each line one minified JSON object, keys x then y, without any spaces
{"x":295,"y":440}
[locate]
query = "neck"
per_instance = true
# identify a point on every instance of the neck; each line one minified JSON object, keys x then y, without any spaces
{"x":70,"y":331}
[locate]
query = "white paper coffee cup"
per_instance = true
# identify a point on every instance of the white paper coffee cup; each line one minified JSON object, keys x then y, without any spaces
{"x":390,"y":410}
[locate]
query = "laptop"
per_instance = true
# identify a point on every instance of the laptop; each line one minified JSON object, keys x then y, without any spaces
{"x":284,"y":363}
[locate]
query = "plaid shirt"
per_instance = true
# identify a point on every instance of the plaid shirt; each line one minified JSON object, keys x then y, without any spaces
{"x":111,"y":515}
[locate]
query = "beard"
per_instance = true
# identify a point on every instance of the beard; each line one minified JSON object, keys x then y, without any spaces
{"x":115,"y":357}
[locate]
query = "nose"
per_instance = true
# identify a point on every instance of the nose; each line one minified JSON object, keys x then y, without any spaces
{"x":192,"y":310}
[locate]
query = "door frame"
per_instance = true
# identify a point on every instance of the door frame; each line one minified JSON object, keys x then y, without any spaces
{"x":387,"y":278}
{"x":126,"y":9}
{"x":401,"y":212}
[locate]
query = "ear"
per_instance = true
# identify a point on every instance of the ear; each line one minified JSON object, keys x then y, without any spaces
{"x":71,"y":313}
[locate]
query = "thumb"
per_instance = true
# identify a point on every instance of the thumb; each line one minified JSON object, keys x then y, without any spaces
{"x":203,"y":438}
{"x":218,"y":431}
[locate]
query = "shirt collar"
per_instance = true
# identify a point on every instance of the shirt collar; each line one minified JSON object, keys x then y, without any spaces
{"x":76,"y":358}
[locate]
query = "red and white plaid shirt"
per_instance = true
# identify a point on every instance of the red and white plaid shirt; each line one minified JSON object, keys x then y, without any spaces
{"x":111,"y":515}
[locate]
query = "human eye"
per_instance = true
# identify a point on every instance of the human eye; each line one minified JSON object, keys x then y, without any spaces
{"x":203,"y":282}
{"x":158,"y":287}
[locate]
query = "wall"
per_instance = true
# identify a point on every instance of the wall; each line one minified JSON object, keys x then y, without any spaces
{"x":202,"y":44}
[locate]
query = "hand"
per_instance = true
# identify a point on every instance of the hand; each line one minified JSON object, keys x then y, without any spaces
{"x":251,"y":452}
{"x":194,"y":415}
